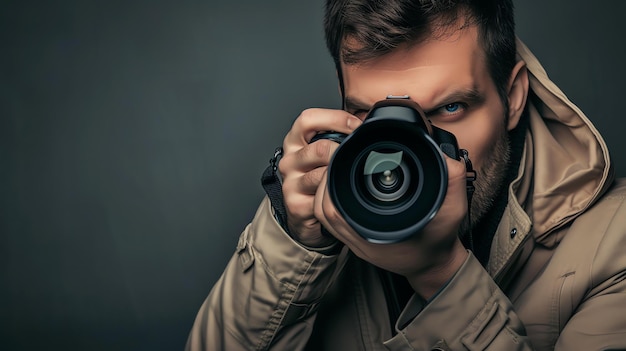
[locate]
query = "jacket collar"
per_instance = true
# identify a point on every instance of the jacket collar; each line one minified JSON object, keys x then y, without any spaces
{"x":564,"y":169}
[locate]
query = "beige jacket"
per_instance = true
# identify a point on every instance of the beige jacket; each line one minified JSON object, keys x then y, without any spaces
{"x":556,"y":278}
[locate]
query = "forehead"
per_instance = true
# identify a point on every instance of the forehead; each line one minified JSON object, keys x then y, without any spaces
{"x":424,"y":70}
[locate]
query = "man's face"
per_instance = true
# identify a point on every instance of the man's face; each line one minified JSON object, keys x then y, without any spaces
{"x":450,"y":80}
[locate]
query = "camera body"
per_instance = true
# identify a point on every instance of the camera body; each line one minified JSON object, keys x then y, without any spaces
{"x":389,"y":177}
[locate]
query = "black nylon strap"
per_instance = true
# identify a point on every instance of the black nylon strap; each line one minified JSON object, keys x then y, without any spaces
{"x":470,"y":176}
{"x":273,"y":188}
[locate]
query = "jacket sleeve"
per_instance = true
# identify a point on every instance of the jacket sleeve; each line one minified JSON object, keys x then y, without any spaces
{"x":469,"y":313}
{"x":268,"y":294}
{"x":596,"y":291}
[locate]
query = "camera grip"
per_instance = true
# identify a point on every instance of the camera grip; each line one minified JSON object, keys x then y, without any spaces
{"x":334,"y":136}
{"x":447,"y":142}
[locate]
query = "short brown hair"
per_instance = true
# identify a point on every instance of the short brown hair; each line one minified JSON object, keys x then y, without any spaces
{"x":380,"y":26}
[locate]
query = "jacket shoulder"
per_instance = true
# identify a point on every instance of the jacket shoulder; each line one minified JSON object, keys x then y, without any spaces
{"x":599,"y":234}
{"x":617,"y":191}
{"x":609,"y":208}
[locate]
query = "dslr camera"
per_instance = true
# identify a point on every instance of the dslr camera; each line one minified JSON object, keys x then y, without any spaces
{"x":389,"y":177}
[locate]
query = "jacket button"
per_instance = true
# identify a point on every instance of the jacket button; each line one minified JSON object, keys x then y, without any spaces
{"x":513,"y":232}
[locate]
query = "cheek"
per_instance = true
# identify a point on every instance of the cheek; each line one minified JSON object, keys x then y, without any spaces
{"x":479,"y":136}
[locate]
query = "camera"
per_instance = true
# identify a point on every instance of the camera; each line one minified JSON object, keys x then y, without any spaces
{"x":389,"y":177}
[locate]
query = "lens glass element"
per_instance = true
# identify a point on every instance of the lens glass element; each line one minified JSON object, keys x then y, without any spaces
{"x":386,"y":176}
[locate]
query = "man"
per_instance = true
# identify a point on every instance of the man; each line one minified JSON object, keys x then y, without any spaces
{"x":539,"y":265}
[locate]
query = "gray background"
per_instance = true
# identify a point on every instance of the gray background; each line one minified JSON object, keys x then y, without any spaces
{"x":133,"y":135}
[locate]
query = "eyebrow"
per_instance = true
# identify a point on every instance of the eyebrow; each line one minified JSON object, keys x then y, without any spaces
{"x":470,"y":96}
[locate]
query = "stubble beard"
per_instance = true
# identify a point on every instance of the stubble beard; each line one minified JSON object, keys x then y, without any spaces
{"x":489,"y":181}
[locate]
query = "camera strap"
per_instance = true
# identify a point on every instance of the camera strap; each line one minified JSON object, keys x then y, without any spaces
{"x":470,"y":177}
{"x":272,"y":184}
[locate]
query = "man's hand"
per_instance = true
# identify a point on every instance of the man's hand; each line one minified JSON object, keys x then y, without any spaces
{"x":303,"y":167}
{"x":429,"y":258}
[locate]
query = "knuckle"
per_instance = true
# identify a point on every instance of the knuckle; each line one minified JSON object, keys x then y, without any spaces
{"x":284,"y":165}
{"x":297,"y":208}
{"x":287,"y":189}
{"x":294,"y":211}
{"x":307,"y":117}
{"x":456,"y":169}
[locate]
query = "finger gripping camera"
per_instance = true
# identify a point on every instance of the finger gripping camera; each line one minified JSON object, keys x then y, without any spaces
{"x":389,"y":177}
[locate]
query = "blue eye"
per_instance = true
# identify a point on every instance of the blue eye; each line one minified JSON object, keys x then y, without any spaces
{"x":451,"y":108}
{"x":449,"y":111}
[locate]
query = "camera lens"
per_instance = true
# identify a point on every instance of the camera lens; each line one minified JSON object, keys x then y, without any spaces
{"x":389,"y":177}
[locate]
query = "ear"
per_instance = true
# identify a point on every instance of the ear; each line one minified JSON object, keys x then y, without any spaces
{"x":518,"y":93}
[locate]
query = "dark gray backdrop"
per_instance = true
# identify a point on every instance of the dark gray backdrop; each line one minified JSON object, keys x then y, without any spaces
{"x":133,"y":135}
